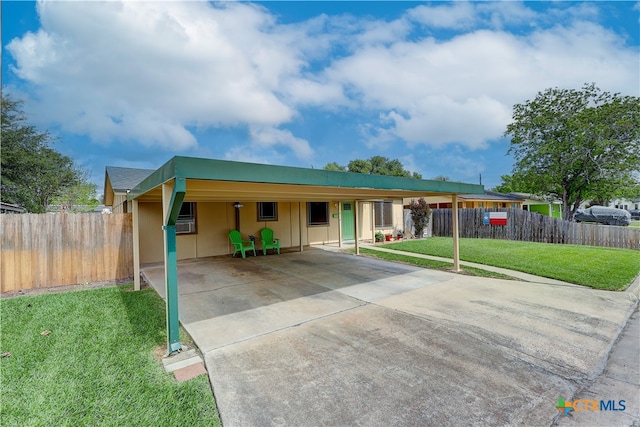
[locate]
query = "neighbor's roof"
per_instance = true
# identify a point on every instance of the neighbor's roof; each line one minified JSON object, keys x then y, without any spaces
{"x":536,"y":197}
{"x":491,"y":195}
{"x":9,"y":207}
{"x":221,"y":180}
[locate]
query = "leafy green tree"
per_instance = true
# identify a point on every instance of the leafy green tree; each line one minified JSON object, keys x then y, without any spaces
{"x":376,"y":165}
{"x":511,"y":184}
{"x":576,"y":145}
{"x":32,"y":174}
{"x":333,"y":166}
{"x":442,"y":178}
{"x":81,"y":197}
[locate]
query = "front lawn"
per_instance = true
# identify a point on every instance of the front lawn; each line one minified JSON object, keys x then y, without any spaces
{"x":429,"y":263}
{"x":87,"y":358}
{"x":601,"y":268}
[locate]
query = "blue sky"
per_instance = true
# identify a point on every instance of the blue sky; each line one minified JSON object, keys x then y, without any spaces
{"x":305,"y":83}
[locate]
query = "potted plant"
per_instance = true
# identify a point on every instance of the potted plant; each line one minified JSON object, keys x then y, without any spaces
{"x":379,"y":236}
{"x":399,"y":234}
{"x":387,"y":237}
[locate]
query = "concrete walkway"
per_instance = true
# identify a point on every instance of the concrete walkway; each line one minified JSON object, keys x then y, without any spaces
{"x":321,"y":338}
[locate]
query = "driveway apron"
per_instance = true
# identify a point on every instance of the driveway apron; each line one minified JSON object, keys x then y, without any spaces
{"x":324,"y":338}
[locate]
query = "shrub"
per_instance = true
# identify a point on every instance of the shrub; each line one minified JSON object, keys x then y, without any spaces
{"x":420,"y":213}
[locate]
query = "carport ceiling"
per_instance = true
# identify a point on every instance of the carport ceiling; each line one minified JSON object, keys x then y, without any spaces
{"x":217,"y":180}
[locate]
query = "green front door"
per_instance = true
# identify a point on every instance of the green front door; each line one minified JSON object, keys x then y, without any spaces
{"x":348,"y":223}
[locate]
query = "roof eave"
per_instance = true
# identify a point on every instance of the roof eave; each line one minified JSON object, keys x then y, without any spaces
{"x":220,"y":170}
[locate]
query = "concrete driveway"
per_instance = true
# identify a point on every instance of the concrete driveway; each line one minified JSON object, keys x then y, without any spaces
{"x":323,"y":338}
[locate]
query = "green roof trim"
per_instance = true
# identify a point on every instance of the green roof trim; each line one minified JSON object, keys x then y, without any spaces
{"x":224,"y":170}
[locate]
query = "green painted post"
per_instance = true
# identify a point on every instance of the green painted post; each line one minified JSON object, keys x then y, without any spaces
{"x":171,"y":265}
{"x":173,"y":322}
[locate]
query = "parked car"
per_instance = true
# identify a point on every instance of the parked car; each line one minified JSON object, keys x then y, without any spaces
{"x":603,"y":215}
{"x":635,"y":214}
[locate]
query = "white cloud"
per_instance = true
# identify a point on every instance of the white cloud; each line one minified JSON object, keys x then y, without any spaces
{"x":461,"y":90}
{"x":267,"y":137}
{"x":148,"y":72}
{"x":160,"y":66}
{"x":457,"y":15}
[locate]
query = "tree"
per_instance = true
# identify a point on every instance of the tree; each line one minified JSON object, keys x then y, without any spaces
{"x":31,"y":174}
{"x":79,"y":198}
{"x":376,"y":165}
{"x":511,"y":184}
{"x":576,"y":145}
{"x":333,"y":166}
{"x":442,"y":178}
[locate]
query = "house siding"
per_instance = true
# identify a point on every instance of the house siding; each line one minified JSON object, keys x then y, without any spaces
{"x":216,"y":219}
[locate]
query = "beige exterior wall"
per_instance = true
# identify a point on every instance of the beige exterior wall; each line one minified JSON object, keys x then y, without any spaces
{"x":214,"y":220}
{"x":119,"y":202}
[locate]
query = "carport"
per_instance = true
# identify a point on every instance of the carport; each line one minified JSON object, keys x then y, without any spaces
{"x":186,"y":179}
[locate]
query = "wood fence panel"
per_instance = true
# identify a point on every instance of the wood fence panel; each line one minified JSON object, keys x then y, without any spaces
{"x":45,"y":250}
{"x":534,"y":227}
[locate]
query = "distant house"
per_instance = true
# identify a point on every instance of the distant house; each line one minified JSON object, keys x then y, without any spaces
{"x":10,"y":208}
{"x":490,"y":199}
{"x":626,"y":204}
{"x":541,"y":205}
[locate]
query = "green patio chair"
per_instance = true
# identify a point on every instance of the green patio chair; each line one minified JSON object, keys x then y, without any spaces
{"x":240,"y":245}
{"x":268,"y":242}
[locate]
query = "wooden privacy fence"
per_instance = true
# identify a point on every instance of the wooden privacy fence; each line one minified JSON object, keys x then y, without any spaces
{"x":534,"y":227}
{"x":45,"y":250}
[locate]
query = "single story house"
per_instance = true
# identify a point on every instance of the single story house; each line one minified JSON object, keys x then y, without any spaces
{"x":187,"y":207}
{"x":541,"y":205}
{"x":626,"y":204}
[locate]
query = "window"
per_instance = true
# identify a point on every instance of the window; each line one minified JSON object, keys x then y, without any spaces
{"x":384,"y":214}
{"x":186,"y":222}
{"x":267,"y":211}
{"x":318,"y":213}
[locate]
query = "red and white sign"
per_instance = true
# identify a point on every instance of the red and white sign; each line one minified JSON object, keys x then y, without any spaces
{"x":497,"y":218}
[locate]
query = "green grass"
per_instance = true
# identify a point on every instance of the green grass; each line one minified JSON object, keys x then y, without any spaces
{"x":432,"y":264}
{"x":635,"y":224}
{"x":96,"y":367}
{"x":601,"y":268}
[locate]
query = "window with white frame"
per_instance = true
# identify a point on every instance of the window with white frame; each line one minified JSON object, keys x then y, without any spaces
{"x":384,"y":214}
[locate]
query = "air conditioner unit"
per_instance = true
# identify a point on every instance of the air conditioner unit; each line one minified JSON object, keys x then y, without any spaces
{"x":185,"y":227}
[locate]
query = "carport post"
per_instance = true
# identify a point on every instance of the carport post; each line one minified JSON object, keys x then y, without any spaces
{"x":456,"y":243}
{"x":136,"y":245}
{"x":373,"y":222}
{"x":355,"y":226}
{"x":300,"y":225}
{"x":339,"y":224}
{"x":172,"y":197}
